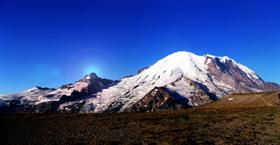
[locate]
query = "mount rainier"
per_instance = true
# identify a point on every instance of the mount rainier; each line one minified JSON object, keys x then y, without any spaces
{"x":178,"y":81}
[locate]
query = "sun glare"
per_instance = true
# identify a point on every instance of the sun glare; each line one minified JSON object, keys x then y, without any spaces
{"x":91,"y":69}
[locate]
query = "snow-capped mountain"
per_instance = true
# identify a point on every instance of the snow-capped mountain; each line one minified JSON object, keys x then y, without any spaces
{"x":51,"y":99}
{"x":178,"y":81}
{"x":196,"y":79}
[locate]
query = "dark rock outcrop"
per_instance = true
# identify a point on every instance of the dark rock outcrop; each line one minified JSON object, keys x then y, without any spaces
{"x":159,"y":99}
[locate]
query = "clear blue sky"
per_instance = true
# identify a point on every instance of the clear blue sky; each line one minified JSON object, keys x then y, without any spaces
{"x":54,"y":42}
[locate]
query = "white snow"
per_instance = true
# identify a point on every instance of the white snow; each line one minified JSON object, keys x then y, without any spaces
{"x":32,"y":89}
{"x":230,"y":99}
{"x":36,"y":95}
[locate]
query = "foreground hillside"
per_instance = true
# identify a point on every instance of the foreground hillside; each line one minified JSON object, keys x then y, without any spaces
{"x":249,"y":100}
{"x":194,"y":126}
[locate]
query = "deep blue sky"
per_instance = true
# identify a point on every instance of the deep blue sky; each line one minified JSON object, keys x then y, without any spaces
{"x":53,"y":42}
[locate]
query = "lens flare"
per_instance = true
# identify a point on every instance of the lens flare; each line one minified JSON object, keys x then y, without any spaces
{"x":91,"y":69}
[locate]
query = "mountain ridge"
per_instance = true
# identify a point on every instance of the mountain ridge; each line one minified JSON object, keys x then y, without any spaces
{"x":195,"y":79}
{"x":217,"y":76}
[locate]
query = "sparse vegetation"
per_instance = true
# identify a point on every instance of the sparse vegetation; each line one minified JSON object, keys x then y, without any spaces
{"x":193,"y":126}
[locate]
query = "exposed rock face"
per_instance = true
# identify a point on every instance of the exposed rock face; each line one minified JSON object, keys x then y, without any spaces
{"x":230,"y":72}
{"x":158,"y":99}
{"x":90,"y":84}
{"x":268,"y":86}
{"x":231,"y":75}
{"x":95,"y":83}
{"x":165,"y":98}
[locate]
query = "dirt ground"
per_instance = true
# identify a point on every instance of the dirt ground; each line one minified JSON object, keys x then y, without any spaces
{"x":193,"y":126}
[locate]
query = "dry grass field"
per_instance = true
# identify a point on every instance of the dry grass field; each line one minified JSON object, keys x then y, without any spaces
{"x":248,"y":100}
{"x":205,"y":125}
{"x":194,"y":126}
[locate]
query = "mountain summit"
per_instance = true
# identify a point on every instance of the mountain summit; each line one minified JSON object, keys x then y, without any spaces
{"x":178,"y":81}
{"x":196,"y":80}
